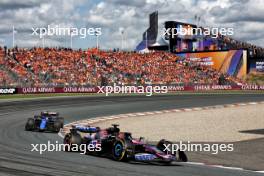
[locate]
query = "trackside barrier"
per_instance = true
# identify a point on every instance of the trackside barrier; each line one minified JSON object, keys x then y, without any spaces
{"x":170,"y":88}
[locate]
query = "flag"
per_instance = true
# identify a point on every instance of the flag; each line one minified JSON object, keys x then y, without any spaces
{"x":14,"y":30}
{"x":13,"y":34}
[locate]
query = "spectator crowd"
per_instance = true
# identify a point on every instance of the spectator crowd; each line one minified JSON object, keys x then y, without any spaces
{"x":227,"y":42}
{"x":58,"y":67}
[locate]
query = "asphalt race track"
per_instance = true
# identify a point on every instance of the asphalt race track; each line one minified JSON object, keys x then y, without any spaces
{"x":15,"y":143}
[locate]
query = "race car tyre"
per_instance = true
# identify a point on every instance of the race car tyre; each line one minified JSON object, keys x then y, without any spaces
{"x":50,"y":127}
{"x":30,"y":125}
{"x":56,"y":126}
{"x":73,"y":140}
{"x":61,"y":120}
{"x":119,"y":150}
{"x":182,"y":156}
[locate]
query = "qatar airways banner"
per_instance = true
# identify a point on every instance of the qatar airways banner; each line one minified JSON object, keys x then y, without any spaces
{"x":175,"y":88}
{"x":171,"y":88}
{"x":32,"y":90}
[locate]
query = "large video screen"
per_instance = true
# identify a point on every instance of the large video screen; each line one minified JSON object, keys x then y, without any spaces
{"x":232,"y":62}
{"x":185,"y":31}
{"x":256,"y":66}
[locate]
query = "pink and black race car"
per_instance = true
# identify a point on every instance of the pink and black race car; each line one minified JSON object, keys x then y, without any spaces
{"x":120,"y":145}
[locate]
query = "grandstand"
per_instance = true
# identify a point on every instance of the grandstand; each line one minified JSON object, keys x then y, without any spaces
{"x":53,"y":67}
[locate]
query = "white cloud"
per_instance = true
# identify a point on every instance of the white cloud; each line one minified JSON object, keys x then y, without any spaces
{"x":132,"y":15}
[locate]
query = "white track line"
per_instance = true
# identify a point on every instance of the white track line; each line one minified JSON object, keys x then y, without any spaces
{"x":260,"y":171}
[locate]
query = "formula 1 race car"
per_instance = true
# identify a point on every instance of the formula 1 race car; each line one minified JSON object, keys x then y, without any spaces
{"x":120,"y":145}
{"x":46,"y":121}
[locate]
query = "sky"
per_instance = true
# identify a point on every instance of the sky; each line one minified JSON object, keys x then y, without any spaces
{"x":130,"y":16}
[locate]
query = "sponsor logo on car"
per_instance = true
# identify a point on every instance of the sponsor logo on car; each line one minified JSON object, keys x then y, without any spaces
{"x":145,"y":157}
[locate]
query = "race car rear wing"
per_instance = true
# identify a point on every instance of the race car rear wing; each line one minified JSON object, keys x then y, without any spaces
{"x":86,"y":129}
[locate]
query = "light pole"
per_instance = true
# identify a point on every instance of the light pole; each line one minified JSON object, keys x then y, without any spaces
{"x":146,"y":39}
{"x":14,"y":36}
{"x":122,"y":39}
{"x":43,"y":42}
{"x":71,"y":38}
{"x":71,"y":41}
{"x":97,"y":40}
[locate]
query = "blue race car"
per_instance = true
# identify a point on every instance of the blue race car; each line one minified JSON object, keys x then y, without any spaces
{"x":46,"y":121}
